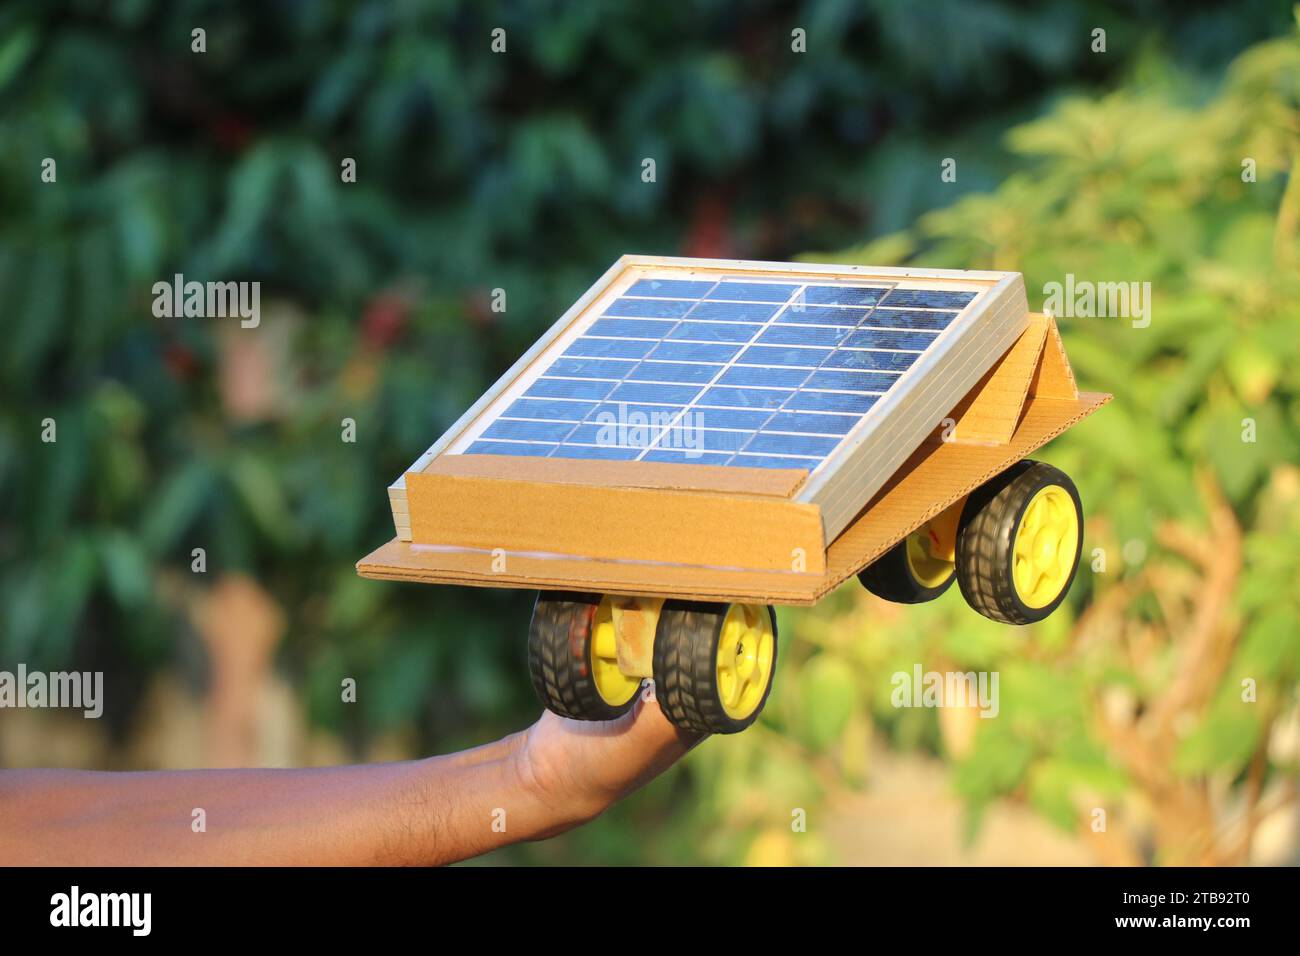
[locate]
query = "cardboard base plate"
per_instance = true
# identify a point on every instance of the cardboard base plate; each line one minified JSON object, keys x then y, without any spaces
{"x":936,"y":475}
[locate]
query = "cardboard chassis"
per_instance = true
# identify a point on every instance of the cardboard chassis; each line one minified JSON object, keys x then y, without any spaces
{"x":1027,"y":399}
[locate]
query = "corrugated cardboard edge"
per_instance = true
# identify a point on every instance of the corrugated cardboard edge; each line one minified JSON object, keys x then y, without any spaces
{"x":525,"y":515}
{"x":935,"y":476}
{"x":989,"y":414}
{"x":1053,"y":377}
{"x":401,"y":561}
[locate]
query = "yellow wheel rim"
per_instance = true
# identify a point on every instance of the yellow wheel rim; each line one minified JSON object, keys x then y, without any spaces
{"x":1046,"y":543}
{"x":615,"y":687}
{"x":927,"y":569}
{"x":746,"y":650}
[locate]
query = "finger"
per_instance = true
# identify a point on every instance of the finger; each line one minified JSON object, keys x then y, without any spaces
{"x":650,"y":744}
{"x":649,"y":717}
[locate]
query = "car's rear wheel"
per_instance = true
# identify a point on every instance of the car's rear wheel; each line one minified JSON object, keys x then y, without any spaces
{"x":1019,"y":543}
{"x":914,"y":571}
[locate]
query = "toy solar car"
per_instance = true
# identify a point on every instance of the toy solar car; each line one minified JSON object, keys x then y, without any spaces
{"x":696,"y":440}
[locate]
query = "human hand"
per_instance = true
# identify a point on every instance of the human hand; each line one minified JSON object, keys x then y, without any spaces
{"x":578,"y":768}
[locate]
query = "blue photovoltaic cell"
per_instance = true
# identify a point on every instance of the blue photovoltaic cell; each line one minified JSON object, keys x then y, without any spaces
{"x":819,"y":424}
{"x":560,"y":411}
{"x":761,"y":374}
{"x":882,"y":361}
{"x":607,"y":434}
{"x":831,"y":402}
{"x":911,"y":319}
{"x":889,"y":339}
{"x":863,"y":379}
{"x":771,"y":443}
{"x":591,"y":368}
{"x":568,"y":388}
{"x":843,"y":295}
{"x":649,"y":308}
{"x":509,"y":448}
{"x":674,"y":372}
{"x":627,"y":411}
{"x":753,"y":291}
{"x":804,"y":335}
{"x":646,"y":392}
{"x":841,"y":381}
{"x":821,"y":315}
{"x":764,"y":376}
{"x":528,"y":430}
{"x":734,"y":311}
{"x":610,"y":348}
{"x":631,"y":328}
{"x":714,"y":331}
{"x":694,"y":352}
{"x":671,"y":288}
{"x":745,"y":397}
{"x":741,"y":419}
{"x":771,"y":355}
{"x":721,"y":441}
{"x":928,"y":299}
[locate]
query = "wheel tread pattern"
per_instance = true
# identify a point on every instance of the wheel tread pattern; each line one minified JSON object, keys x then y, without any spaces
{"x":558,"y":663}
{"x":685,"y":668}
{"x":984,"y":542}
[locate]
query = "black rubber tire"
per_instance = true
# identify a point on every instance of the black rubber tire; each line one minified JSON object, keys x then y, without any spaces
{"x":559,"y":657}
{"x":685,"y":667}
{"x":987,"y":531}
{"x":890,"y":577}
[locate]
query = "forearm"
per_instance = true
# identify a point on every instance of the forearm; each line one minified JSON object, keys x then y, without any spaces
{"x":420,"y":812}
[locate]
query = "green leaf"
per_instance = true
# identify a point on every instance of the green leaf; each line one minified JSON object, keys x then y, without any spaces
{"x":1224,"y":740}
{"x":259,"y":489}
{"x":997,"y":765}
{"x":829,"y":697}
{"x":1270,"y":646}
{"x":125,"y":569}
{"x":14,"y":51}
{"x":176,"y":506}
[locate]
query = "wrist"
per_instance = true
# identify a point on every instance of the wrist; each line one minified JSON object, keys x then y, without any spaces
{"x":550,"y":787}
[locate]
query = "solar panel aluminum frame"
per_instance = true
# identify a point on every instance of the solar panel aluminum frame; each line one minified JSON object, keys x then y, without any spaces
{"x":874,"y":449}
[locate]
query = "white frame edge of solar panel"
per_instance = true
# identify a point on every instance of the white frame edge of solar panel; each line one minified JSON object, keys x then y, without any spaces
{"x":518,"y":385}
{"x":843,"y":480}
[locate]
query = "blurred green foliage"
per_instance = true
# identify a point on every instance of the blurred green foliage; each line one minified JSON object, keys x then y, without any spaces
{"x":521,"y":171}
{"x":1201,"y":200}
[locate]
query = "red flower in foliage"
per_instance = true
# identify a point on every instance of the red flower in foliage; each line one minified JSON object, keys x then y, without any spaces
{"x":384,"y":319}
{"x":179,"y":361}
{"x":708,"y":236}
{"x":230,"y":131}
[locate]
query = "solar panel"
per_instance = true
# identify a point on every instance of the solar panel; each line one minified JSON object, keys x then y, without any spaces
{"x":839,"y":371}
{"x":722,"y":371}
